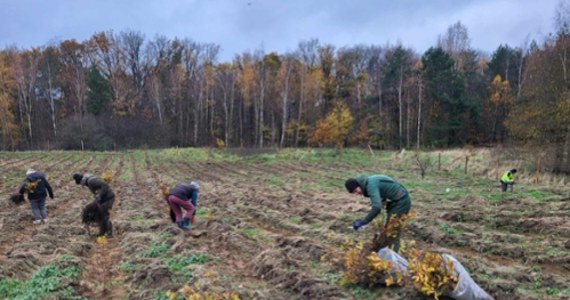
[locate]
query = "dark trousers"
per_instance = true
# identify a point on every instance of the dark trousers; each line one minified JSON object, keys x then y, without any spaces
{"x":504,"y":186}
{"x":105,"y":225}
{"x":398,"y":208}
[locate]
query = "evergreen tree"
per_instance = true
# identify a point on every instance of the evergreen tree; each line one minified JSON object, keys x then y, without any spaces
{"x":99,"y":95}
{"x":444,"y":90}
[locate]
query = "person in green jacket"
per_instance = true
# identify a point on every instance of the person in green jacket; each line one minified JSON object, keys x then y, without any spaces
{"x":381,"y":189}
{"x":507,"y":179}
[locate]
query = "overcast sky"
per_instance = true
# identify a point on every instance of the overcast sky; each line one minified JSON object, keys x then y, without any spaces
{"x":272,"y":25}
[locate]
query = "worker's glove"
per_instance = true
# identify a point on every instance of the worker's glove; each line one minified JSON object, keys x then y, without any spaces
{"x":357,"y":224}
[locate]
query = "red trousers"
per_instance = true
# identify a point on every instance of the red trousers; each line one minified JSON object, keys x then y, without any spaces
{"x":178,"y":204}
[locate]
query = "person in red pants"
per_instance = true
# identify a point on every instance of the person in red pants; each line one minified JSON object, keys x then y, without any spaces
{"x":184,"y":196}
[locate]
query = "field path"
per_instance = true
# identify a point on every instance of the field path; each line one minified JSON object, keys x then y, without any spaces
{"x":101,"y":277}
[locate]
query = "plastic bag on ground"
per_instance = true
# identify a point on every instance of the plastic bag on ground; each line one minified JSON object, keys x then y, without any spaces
{"x":399,"y":264}
{"x":466,"y":288}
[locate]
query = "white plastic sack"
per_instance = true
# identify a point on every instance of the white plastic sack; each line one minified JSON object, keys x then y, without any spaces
{"x":399,"y":264}
{"x":466,"y":288}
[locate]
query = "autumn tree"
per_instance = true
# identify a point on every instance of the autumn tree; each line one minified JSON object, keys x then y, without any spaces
{"x":48,"y":87}
{"x":508,"y":63}
{"x":311,"y":87}
{"x":397,"y":70}
{"x":335,"y":128}
{"x":8,"y":126}
{"x":500,"y":97}
{"x":456,"y":42}
{"x":225,"y":76}
{"x":73,"y":77}
{"x":287,"y":89}
{"x":246,"y":85}
{"x":26,"y":66}
{"x":327,"y":66}
{"x":539,"y":117}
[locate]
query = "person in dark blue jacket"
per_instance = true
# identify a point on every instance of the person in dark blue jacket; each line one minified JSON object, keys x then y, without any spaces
{"x":184,"y":196}
{"x":38,"y":188}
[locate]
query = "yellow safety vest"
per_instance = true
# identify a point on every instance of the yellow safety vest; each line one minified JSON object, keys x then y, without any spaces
{"x":507,"y":177}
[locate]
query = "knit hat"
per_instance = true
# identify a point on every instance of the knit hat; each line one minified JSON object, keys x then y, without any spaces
{"x":351,"y":184}
{"x":30,"y":171}
{"x":77,"y":178}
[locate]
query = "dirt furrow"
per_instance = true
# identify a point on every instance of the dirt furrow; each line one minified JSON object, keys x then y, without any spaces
{"x":101,"y":276}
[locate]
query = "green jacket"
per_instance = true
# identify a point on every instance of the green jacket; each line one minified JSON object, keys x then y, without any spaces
{"x":379,"y":188}
{"x":508,"y":177}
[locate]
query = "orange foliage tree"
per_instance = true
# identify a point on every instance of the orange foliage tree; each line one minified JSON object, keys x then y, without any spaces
{"x":501,"y":98}
{"x":334,"y":128}
{"x":8,"y":127}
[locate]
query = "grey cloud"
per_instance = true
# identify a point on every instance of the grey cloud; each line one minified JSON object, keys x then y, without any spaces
{"x":241,"y":25}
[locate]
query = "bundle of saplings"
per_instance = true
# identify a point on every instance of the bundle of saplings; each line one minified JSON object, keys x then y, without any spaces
{"x":17,"y":199}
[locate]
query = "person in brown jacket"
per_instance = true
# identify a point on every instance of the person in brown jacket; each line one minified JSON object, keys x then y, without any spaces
{"x":104,"y":197}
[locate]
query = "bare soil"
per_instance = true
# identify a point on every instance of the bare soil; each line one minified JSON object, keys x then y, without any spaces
{"x":272,"y":230}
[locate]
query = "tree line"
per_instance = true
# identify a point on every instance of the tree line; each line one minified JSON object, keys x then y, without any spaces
{"x":120,"y":90}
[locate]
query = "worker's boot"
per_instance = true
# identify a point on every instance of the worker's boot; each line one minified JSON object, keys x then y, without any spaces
{"x":182,"y":225}
{"x":187,"y":222}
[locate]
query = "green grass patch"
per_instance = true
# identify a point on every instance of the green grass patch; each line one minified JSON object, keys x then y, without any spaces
{"x":199,"y":259}
{"x":251,"y":233}
{"x":555,"y":252}
{"x":333,"y":277}
{"x":539,"y":195}
{"x":194,"y":155}
{"x":275,"y":181}
{"x":362,"y":293}
{"x":141,"y":221}
{"x":295,"y":220}
{"x":46,"y":282}
{"x":255,"y":233}
{"x":495,"y":198}
{"x":543,"y":292}
{"x":202,"y":212}
{"x":156,"y":250}
{"x":332,"y":184}
{"x":178,"y":266}
{"x":127,"y":267}
{"x":450,"y":229}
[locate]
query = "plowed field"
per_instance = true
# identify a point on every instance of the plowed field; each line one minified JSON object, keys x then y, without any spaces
{"x":270,"y":226}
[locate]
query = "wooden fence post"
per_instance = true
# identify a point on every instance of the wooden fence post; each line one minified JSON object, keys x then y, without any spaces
{"x":538,"y":170}
{"x":466,"y":163}
{"x":497,"y":169}
{"x":439,"y":161}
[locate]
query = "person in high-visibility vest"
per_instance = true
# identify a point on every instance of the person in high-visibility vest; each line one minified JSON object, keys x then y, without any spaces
{"x":507,"y":179}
